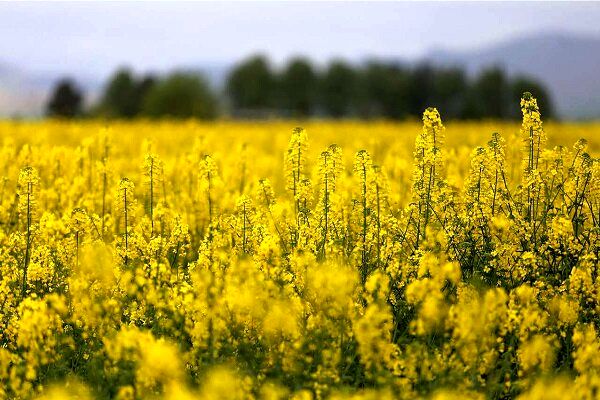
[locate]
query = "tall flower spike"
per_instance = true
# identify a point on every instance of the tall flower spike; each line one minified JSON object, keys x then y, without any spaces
{"x":532,"y":132}
{"x":363,"y":167}
{"x":326,"y":180}
{"x":153,"y":169}
{"x":27,"y":186}
{"x":327,"y":177}
{"x":428,"y":169}
{"x":28,"y":183}
{"x":295,"y":159}
{"x":380,"y":188}
{"x":534,"y":138}
{"x":126,"y":202}
{"x":208,"y":174}
{"x":104,"y":170}
{"x":497,"y":154}
{"x":337,"y":162}
{"x":478,"y":185}
{"x":79,"y":222}
{"x":244,"y":221}
{"x":266,"y":196}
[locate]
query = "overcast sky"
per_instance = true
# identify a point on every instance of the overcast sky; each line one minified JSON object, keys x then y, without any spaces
{"x":97,"y":37}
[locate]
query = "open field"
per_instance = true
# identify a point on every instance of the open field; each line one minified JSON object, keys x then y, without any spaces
{"x":389,"y":144}
{"x":345,"y":260}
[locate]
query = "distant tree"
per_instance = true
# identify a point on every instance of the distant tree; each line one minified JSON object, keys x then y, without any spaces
{"x":339,"y":90}
{"x":449,"y":92}
{"x":421,"y":89}
{"x":142,"y":88}
{"x":384,"y":90}
{"x":250,"y":85}
{"x":124,"y":94}
{"x":490,"y":95}
{"x":118,"y":99}
{"x":180,"y":95}
{"x":523,"y":84}
{"x":66,"y":100}
{"x":297,"y":87}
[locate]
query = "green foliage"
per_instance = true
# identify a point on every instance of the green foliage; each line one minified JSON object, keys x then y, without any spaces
{"x":490,"y":95}
{"x":298,"y":87}
{"x":250,"y":85}
{"x":66,"y":100}
{"x":450,"y":87}
{"x":253,"y":89}
{"x":384,"y":91}
{"x":180,"y":95}
{"x":375,"y":89}
{"x":421,"y":89}
{"x":125,"y":94}
{"x":339,"y":89}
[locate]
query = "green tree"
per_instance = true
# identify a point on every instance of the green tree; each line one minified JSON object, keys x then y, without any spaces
{"x":143,"y":86}
{"x":298,"y":87}
{"x":384,"y":89}
{"x":124,"y":94}
{"x":119,"y":98}
{"x":522,"y":84}
{"x":490,"y":95}
{"x":449,"y":91}
{"x":250,"y":85}
{"x":66,"y":100}
{"x":180,"y":95}
{"x":421,"y":89}
{"x":339,"y":90}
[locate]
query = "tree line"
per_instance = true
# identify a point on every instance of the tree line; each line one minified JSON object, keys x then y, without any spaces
{"x":256,"y":89}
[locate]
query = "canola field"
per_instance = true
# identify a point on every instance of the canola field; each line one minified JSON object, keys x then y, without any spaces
{"x":340,"y":260}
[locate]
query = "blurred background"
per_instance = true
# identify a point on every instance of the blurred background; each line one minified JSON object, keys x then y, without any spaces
{"x":298,"y":59}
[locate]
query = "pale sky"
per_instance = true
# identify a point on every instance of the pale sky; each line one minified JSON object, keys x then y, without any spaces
{"x":97,"y":37}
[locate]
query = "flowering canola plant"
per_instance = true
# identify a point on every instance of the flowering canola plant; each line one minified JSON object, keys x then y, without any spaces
{"x":356,"y":261}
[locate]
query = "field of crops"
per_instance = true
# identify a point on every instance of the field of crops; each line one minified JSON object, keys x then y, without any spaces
{"x":342,"y":260}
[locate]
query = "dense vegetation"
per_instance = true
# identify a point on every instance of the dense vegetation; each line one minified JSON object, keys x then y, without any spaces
{"x":255,"y":89}
{"x":186,"y":260}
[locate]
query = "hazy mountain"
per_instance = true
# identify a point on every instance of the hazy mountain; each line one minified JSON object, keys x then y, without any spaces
{"x":569,"y":65}
{"x":24,"y":93}
{"x":20,"y":94}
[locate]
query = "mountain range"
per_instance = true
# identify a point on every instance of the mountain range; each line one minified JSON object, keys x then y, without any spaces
{"x":568,"y":64}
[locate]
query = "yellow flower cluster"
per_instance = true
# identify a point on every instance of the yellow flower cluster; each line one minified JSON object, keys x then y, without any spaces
{"x":184,"y":260}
